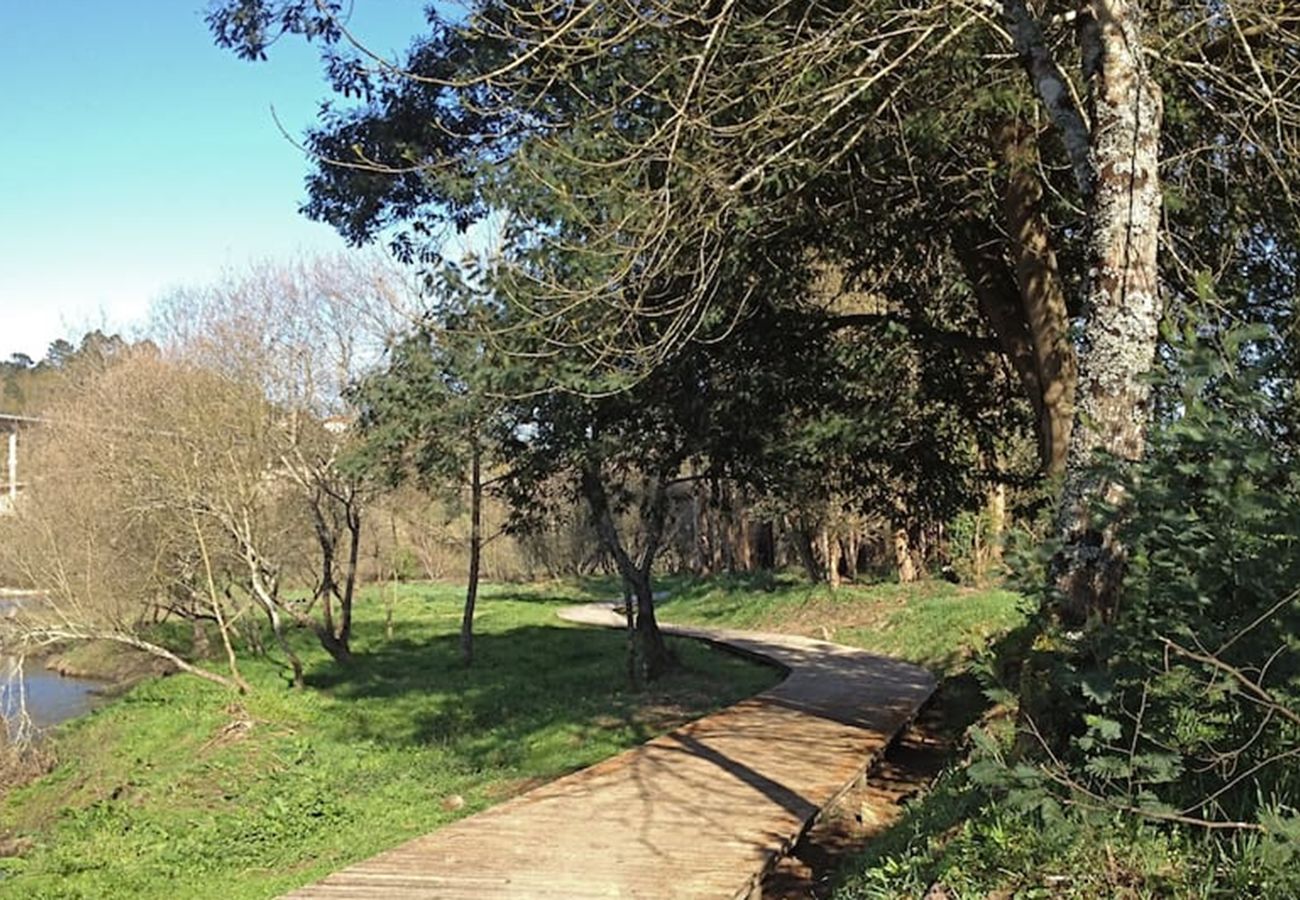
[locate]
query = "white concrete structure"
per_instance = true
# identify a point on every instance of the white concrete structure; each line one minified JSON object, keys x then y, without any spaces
{"x":10,"y":426}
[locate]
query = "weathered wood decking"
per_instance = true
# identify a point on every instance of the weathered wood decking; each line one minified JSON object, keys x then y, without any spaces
{"x":701,"y":812}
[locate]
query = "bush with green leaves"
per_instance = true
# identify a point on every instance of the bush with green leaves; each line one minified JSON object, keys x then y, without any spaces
{"x":1183,"y":706}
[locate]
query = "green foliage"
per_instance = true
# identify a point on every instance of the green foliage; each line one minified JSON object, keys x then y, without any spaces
{"x":976,"y":840}
{"x":1182,"y":708}
{"x":180,"y":789}
{"x":1184,"y":695}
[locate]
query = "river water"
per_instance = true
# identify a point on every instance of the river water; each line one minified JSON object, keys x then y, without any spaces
{"x":49,"y":697}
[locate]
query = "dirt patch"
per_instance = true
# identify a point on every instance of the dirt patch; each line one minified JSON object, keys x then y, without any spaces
{"x":117,"y":666}
{"x":238,"y":727}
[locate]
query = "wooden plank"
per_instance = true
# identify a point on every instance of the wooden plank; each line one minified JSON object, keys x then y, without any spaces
{"x":701,"y":812}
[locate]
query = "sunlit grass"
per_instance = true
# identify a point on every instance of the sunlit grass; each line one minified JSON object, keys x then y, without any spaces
{"x":933,"y":623}
{"x":180,"y":789}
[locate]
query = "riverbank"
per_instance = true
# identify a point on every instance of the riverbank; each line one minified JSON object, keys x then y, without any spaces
{"x":116,"y":667}
{"x":181,"y":788}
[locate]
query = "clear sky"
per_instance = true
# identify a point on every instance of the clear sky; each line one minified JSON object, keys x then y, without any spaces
{"x":136,"y":156}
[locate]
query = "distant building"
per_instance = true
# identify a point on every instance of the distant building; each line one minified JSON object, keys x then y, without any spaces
{"x":9,"y":428}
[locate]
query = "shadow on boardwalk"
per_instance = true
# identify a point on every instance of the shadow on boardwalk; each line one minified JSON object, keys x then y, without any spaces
{"x":701,"y":812}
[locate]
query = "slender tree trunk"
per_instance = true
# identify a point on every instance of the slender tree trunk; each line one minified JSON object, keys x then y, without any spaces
{"x":267,"y":596}
{"x":475,"y":554}
{"x":332,"y":639}
{"x":218,"y":611}
{"x":390,"y":599}
{"x":1123,"y":302}
{"x":907,"y":573}
{"x":996,"y":511}
{"x":350,"y":574}
{"x":830,"y":551}
{"x":327,"y":543}
{"x":146,"y":647}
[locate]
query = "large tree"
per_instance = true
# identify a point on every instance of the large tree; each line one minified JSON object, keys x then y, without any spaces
{"x":673,"y":167}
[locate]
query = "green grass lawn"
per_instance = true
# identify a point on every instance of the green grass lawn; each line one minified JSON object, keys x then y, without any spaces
{"x":181,"y":789}
{"x":933,"y":623}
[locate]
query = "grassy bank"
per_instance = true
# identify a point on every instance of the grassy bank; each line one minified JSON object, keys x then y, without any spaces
{"x":182,"y":789}
{"x":933,"y":623}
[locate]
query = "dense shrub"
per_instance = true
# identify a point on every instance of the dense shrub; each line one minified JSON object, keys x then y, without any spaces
{"x":1156,"y":753}
{"x":1183,"y":708}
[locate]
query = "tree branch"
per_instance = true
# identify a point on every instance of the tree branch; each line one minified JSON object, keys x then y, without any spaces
{"x":1054,"y":89}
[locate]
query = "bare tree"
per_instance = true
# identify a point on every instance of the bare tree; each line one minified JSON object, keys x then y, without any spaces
{"x":112,"y":536}
{"x":301,"y":333}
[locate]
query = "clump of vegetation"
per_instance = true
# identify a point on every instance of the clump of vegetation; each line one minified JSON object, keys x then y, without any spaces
{"x":23,"y":755}
{"x":1156,"y":749}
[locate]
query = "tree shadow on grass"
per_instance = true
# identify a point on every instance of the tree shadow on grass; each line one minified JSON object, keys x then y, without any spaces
{"x":535,"y":692}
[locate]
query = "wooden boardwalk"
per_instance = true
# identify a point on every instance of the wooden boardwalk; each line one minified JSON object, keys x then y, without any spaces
{"x":701,"y":812}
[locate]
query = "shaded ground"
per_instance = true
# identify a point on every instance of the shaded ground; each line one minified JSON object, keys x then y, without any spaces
{"x":867,"y":810}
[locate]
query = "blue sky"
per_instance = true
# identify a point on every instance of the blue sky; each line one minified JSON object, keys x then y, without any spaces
{"x":135,"y":156}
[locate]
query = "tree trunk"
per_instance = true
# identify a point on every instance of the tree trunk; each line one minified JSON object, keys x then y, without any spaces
{"x":703,"y":546}
{"x":265,"y":587}
{"x":803,"y":543}
{"x":765,"y":545}
{"x":475,"y":553}
{"x":629,"y":618}
{"x":852,"y":549}
{"x":996,"y":512}
{"x":652,"y":653}
{"x":907,"y":573}
{"x":350,"y":575}
{"x":831,"y":554}
{"x":741,"y":533}
{"x":1024,"y":303}
{"x":1123,"y":301}
{"x":1042,"y":294}
{"x":327,"y":540}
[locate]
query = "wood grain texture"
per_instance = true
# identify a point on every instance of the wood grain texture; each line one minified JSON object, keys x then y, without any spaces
{"x":701,"y":812}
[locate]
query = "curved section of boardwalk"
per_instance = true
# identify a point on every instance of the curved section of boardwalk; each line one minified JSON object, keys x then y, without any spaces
{"x":701,"y":812}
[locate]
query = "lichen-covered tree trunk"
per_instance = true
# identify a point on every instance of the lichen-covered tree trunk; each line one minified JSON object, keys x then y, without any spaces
{"x":1123,"y":302}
